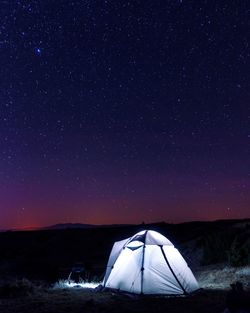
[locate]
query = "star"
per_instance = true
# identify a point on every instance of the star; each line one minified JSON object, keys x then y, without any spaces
{"x":38,"y":51}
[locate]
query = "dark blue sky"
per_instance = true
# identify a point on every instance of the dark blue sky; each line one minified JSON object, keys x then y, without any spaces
{"x":123,"y":111}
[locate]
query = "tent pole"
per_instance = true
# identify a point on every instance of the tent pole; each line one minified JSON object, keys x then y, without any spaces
{"x":142,"y":265}
{"x":176,"y":278}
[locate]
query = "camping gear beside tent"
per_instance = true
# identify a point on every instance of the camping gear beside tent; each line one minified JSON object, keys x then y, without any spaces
{"x":77,"y":273}
{"x":148,"y":263}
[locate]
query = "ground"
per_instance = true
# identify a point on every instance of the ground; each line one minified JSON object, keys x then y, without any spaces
{"x":79,"y":300}
{"x":214,"y":283}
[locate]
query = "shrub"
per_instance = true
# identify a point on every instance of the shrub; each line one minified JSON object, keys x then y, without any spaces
{"x":239,"y":253}
{"x":215,"y":247}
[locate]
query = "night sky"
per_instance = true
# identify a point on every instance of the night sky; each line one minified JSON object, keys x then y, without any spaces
{"x":124,"y":111}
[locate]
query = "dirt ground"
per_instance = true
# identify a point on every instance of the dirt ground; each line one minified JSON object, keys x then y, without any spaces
{"x":84,"y":300}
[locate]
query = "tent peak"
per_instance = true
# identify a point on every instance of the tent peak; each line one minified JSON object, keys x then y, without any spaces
{"x":150,"y":237}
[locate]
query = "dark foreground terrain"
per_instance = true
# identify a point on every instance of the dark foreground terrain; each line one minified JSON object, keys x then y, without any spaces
{"x":33,"y":262}
{"x":73,"y":300}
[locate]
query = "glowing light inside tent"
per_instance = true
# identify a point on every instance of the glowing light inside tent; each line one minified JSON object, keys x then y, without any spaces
{"x":71,"y":284}
{"x":82,"y":285}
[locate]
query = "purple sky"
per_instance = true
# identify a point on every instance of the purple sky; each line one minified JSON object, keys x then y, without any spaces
{"x":123,"y":111}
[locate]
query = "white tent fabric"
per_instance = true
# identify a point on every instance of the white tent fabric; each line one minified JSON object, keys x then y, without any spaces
{"x":148,"y":263}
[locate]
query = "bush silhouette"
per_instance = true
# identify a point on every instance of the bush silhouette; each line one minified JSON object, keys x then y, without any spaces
{"x":215,"y":247}
{"x":239,"y":253}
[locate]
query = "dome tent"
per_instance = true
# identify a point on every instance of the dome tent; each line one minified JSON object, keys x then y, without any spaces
{"x":148,"y":263}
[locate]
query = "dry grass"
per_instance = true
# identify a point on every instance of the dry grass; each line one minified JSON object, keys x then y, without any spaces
{"x":220,"y":276}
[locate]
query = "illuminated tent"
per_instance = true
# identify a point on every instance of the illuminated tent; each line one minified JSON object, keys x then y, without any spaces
{"x":148,"y":263}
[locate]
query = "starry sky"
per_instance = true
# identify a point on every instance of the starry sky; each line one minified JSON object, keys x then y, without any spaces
{"x":115,"y":111}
